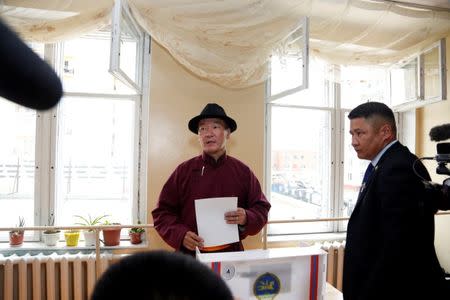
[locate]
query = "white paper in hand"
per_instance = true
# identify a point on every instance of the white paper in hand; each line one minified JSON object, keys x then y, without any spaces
{"x":211,"y":224}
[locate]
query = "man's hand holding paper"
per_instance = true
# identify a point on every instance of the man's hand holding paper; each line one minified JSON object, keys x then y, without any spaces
{"x":236,"y":217}
{"x":217,"y":219}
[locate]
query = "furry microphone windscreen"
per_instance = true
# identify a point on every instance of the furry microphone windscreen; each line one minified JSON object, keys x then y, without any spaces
{"x":25,"y":78}
{"x":440,"y":133}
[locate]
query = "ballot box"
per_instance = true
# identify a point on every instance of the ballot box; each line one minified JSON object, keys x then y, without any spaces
{"x":280,"y":273}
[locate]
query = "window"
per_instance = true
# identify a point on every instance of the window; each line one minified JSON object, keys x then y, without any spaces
{"x":291,"y":60}
{"x":126,"y":47}
{"x":404,"y":82}
{"x":314,"y":171}
{"x":301,"y":168}
{"x":95,"y":158}
{"x":17,"y":164}
{"x":84,"y":156}
{"x":419,"y":80}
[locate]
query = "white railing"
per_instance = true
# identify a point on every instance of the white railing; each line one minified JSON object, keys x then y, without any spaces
{"x":96,"y":229}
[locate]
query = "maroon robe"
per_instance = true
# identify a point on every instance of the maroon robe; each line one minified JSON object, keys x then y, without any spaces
{"x":203,"y":177}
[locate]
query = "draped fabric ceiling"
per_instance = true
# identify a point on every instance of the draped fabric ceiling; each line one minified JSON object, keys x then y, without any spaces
{"x":229,"y":42}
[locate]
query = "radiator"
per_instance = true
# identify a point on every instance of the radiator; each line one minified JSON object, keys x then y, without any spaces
{"x":49,"y":277}
{"x":335,"y":262}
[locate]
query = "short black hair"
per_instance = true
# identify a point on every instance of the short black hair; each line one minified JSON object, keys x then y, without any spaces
{"x":374,"y":110}
{"x":160,"y":275}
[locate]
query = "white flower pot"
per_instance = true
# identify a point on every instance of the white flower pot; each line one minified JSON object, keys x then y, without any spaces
{"x":50,"y":239}
{"x":89,"y":238}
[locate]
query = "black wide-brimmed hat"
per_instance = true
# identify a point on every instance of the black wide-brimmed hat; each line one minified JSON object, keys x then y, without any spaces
{"x":212,"y":110}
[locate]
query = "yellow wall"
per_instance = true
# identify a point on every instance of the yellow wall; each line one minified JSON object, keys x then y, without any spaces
{"x":428,"y":117}
{"x":175,"y":97}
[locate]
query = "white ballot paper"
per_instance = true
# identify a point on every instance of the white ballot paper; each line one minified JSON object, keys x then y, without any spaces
{"x":211,"y":224}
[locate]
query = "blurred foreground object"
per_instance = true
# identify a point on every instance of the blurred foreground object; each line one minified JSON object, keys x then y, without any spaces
{"x":25,"y":78}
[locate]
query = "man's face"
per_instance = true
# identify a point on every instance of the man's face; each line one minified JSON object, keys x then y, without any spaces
{"x":367,"y":139}
{"x":213,"y":136}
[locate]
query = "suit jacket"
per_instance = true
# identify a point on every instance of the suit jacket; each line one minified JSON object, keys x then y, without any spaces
{"x":390,"y":235}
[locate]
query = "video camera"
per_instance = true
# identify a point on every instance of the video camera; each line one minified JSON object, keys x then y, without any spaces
{"x":440,"y":192}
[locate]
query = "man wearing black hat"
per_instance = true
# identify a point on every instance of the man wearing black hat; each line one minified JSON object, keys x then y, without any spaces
{"x":211,"y":174}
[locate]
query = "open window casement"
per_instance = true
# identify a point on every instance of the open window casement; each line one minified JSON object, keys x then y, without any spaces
{"x":419,"y":80}
{"x":127,"y":47}
{"x":289,"y":64}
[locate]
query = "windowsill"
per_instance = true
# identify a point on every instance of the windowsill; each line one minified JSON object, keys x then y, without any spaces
{"x":34,"y":248}
{"x":304,"y":239}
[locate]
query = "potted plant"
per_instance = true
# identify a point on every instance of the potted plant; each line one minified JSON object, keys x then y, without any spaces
{"x":89,"y":234}
{"x":51,"y":235}
{"x":111,"y":236}
{"x":72,"y":236}
{"x":135,"y":234}
{"x":16,"y":236}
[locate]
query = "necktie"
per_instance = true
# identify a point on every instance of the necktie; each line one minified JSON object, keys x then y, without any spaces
{"x":369,"y":171}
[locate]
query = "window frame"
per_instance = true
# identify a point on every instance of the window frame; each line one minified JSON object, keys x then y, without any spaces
{"x":337,"y":155}
{"x":121,"y":12}
{"x":421,"y":100}
{"x":46,"y":145}
{"x":336,"y":148}
{"x":304,"y":25}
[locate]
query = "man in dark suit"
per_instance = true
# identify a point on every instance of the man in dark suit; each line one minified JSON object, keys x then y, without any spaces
{"x":390,"y":236}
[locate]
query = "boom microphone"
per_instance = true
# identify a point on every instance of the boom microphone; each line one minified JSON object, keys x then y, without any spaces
{"x":440,"y":133}
{"x":25,"y":78}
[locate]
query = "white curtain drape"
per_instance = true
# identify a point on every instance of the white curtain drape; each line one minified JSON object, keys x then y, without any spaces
{"x":50,"y":21}
{"x":229,"y":42}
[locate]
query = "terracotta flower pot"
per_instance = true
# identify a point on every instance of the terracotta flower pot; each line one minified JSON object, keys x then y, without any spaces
{"x":135,"y":237}
{"x":111,"y":237}
{"x":15,"y":238}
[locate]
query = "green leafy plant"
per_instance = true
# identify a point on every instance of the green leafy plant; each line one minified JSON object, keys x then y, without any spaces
{"x":107,"y":222}
{"x":90,"y":221}
{"x":135,"y":234}
{"x":137,"y":229}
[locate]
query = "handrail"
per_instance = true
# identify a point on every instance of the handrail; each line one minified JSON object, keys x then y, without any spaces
{"x":96,"y":229}
{"x":315,"y":220}
{"x":81,"y":227}
{"x":306,"y":220}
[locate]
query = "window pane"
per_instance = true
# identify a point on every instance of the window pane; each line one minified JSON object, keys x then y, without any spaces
{"x":287,"y":73}
{"x":354,"y":169}
{"x":363,"y":84}
{"x":432,"y":76}
{"x":317,"y":93}
{"x":17,"y":164}
{"x":95,"y":153}
{"x":129,"y":49}
{"x":287,"y":63}
{"x":300,"y":170}
{"x":86,"y":64}
{"x":404,"y":83}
